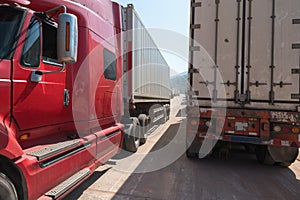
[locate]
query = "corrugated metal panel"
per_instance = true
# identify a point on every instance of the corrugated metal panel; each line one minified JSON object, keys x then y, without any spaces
{"x":255,"y":82}
{"x":150,"y":71}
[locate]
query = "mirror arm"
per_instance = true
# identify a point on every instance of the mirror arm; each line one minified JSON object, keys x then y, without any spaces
{"x":56,"y":9}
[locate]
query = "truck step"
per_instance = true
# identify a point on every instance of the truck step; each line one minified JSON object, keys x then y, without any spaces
{"x":67,"y":184}
{"x":53,"y":149}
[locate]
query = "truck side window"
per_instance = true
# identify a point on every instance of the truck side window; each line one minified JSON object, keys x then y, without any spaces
{"x":110,"y":68}
{"x":31,"y":51}
{"x":49,"y":43}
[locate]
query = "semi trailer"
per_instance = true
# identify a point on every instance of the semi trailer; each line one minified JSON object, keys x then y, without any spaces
{"x":74,"y":77}
{"x":244,"y":77}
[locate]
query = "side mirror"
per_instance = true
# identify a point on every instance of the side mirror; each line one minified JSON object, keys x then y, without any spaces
{"x":67,"y":38}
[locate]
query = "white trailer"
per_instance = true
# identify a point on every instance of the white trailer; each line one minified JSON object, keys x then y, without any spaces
{"x":146,"y":80}
{"x":245,"y":56}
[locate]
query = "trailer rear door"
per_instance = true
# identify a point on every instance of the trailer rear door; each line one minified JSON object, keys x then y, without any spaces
{"x":255,"y":45}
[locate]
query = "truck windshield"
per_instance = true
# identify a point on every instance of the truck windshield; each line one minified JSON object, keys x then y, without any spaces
{"x":10,"y":20}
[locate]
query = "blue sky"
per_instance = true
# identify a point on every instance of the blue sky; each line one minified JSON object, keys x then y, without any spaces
{"x":170,"y":15}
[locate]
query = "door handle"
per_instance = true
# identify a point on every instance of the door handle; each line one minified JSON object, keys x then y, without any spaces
{"x":66,"y":97}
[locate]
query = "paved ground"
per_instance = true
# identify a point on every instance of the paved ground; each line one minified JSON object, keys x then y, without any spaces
{"x":240,"y":177}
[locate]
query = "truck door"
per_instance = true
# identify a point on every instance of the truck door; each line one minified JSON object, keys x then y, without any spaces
{"x":215,"y":46}
{"x":39,"y":104}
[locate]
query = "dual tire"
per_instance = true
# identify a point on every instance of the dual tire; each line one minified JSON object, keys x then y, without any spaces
{"x":132,"y":139}
{"x":270,"y":155}
{"x":136,"y":133}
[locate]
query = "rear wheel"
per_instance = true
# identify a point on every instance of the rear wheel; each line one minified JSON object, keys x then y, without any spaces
{"x":285,"y":164}
{"x":284,"y":156}
{"x":193,"y":151}
{"x":191,"y":154}
{"x":132,"y":137}
{"x":263,"y":155}
{"x":7,"y":188}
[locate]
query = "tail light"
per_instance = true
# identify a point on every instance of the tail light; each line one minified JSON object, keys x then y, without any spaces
{"x":193,"y":122}
{"x":286,"y":129}
{"x":295,"y":130}
{"x":201,"y":123}
{"x":277,"y":129}
{"x":208,"y":123}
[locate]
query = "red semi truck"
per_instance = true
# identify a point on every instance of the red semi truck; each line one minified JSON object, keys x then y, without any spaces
{"x":73,"y":77}
{"x":244,"y":78}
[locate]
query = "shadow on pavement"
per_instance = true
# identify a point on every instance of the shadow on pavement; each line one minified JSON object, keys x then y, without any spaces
{"x":239,"y":177}
{"x":75,"y":194}
{"x":181,"y":113}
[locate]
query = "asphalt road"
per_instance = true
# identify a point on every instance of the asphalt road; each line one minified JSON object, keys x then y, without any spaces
{"x":239,"y":177}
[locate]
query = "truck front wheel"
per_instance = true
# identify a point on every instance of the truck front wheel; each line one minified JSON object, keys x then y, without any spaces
{"x":7,"y":188}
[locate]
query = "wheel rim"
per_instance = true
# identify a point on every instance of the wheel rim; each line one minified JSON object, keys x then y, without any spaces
{"x":135,"y":133}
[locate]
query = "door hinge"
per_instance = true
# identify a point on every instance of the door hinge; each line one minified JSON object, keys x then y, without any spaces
{"x":295,"y":96}
{"x":295,"y":71}
{"x":196,"y":4}
{"x":296,"y":21}
{"x":194,"y":71}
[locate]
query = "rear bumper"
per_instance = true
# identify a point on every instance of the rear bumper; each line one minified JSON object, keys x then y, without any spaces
{"x":245,"y":126}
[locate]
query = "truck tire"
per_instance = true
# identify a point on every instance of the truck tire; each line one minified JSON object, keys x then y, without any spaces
{"x":249,"y":148}
{"x":191,"y":154}
{"x":263,"y":155}
{"x":143,"y":120}
{"x":285,"y":164}
{"x":165,"y":118}
{"x":283,"y":156}
{"x":7,"y":188}
{"x":193,"y":151}
{"x":193,"y":146}
{"x":132,"y":138}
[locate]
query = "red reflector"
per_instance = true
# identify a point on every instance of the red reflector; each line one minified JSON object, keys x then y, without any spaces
{"x":286,"y":129}
{"x":201,"y":123}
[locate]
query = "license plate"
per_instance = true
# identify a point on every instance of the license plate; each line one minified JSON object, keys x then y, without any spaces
{"x":241,"y":126}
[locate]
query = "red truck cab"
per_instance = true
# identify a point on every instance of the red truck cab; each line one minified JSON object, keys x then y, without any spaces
{"x":56,"y":120}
